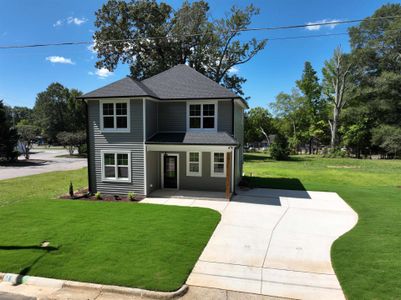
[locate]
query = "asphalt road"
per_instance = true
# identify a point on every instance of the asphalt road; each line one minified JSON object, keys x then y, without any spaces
{"x":41,"y":161}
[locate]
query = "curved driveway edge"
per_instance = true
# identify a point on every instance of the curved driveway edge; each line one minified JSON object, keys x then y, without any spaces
{"x":273,"y":242}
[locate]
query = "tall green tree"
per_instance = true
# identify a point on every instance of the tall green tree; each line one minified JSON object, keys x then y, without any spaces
{"x":8,"y":136}
{"x":151,"y":37}
{"x":313,"y":105}
{"x":56,"y":109}
{"x":376,"y":54}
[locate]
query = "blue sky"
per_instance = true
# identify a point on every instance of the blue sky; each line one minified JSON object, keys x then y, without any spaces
{"x":25,"y":72}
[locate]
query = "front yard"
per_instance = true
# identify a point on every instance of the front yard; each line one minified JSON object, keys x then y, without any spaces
{"x":367,"y":259}
{"x":138,"y":245}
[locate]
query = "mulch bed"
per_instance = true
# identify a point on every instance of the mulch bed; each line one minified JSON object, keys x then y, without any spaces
{"x":83,"y":194}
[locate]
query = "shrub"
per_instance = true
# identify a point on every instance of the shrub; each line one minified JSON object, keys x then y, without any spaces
{"x":334,"y":153}
{"x":98,"y":196}
{"x":131,"y":196}
{"x":279,"y":148}
{"x":71,"y":190}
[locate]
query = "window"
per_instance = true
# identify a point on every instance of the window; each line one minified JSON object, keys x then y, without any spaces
{"x":114,"y":116}
{"x":218,"y":164}
{"x":202,"y":116}
{"x":194,"y":164}
{"x":116,"y":166}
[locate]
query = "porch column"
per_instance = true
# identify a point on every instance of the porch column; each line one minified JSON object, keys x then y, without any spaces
{"x":228,"y":175}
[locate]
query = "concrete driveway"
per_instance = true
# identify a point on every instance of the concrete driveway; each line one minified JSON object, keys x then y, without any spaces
{"x":42,"y":161}
{"x":273,"y":242}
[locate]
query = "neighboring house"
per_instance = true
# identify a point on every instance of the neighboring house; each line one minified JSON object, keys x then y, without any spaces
{"x":177,"y":129}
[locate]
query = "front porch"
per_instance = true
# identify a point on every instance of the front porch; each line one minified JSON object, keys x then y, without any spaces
{"x":190,"y":171}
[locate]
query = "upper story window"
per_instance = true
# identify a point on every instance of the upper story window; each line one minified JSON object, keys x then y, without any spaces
{"x":202,"y":116}
{"x":114,"y":115}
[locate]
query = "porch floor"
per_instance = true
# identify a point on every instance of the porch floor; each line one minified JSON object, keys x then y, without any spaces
{"x":189,"y":194}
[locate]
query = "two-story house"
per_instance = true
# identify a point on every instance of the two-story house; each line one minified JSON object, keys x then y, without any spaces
{"x":175,"y":130}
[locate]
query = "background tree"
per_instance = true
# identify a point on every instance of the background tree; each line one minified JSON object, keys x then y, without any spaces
{"x":8,"y":136}
{"x":313,"y":104}
{"x":72,"y":140}
{"x":258,"y":125}
{"x":185,"y":36}
{"x":279,"y":148}
{"x":336,"y":74}
{"x":57,"y":110}
{"x":388,"y":139}
{"x":27,"y":135}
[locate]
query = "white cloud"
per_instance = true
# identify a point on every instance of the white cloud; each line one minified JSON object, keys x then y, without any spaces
{"x":60,"y":60}
{"x":76,"y":21}
{"x":318,"y":27}
{"x":101,"y":73}
{"x":70,"y":20}
{"x":233,"y":70}
{"x":58,"y":23}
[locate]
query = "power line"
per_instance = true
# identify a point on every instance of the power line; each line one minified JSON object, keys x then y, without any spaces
{"x":330,"y":23}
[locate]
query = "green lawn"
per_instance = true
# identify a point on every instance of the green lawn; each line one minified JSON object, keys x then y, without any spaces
{"x":129,"y":244}
{"x":367,"y":259}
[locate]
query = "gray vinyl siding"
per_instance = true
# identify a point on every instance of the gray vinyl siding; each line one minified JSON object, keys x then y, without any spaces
{"x":172,"y":116}
{"x":132,"y":141}
{"x":239,"y":135}
{"x":153,"y":170}
{"x":224,"y":112}
{"x":151,"y":118}
{"x":204,"y":182}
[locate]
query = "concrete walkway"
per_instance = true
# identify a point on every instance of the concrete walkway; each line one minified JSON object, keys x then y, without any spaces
{"x":272,"y":242}
{"x":42,"y":161}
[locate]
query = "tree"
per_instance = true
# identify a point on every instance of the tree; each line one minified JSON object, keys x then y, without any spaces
{"x":8,"y":137}
{"x":336,"y":81}
{"x":71,"y":140}
{"x":151,"y":37}
{"x":279,"y":148}
{"x":313,"y":104}
{"x":27,"y":135}
{"x":258,"y":125}
{"x":57,"y":110}
{"x":388,"y":138}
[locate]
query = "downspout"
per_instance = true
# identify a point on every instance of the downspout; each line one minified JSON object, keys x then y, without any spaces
{"x":232,"y":116}
{"x":88,"y":147}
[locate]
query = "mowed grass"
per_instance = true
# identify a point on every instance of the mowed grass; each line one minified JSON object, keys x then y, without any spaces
{"x":367,"y":260}
{"x":129,"y":244}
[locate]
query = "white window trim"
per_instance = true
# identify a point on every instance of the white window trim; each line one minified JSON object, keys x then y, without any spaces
{"x":115,"y":152}
{"x":212,"y":173}
{"x":115,"y":129}
{"x":201,"y":116}
{"x":189,"y":173}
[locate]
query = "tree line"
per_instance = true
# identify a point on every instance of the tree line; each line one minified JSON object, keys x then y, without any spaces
{"x":355,"y":108}
{"x":57,"y":118}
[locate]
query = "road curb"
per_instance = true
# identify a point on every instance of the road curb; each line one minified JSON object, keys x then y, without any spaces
{"x":57,"y":283}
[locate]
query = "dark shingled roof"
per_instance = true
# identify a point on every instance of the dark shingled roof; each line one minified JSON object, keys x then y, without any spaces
{"x":178,"y":83}
{"x":193,"y":138}
{"x":125,"y":87}
{"x":183,"y":82}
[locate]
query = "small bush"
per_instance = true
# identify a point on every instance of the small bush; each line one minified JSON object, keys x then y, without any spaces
{"x":71,"y":190}
{"x":131,"y":196}
{"x":98,"y":196}
{"x":279,"y":148}
{"x":334,"y":153}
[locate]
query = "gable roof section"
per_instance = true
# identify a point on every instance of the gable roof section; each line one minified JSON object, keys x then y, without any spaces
{"x":183,"y":82}
{"x":126,"y":87}
{"x":177,"y":83}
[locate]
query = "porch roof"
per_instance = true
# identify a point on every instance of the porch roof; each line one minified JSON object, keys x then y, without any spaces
{"x":193,"y":138}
